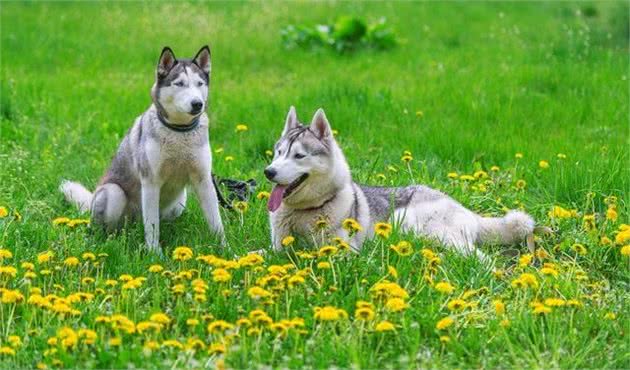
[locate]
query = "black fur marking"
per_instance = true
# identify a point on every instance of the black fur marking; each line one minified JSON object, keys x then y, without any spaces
{"x":293,"y":135}
{"x":382,"y":201}
{"x":140,"y":124}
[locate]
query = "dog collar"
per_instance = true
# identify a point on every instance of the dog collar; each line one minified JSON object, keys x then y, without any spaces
{"x":180,"y":128}
{"x":319,"y":206}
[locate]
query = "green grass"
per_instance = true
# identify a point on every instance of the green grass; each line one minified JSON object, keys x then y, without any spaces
{"x":490,"y":80}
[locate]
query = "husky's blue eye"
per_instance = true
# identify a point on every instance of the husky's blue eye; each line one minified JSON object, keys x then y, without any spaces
{"x":180,"y":83}
{"x":299,"y":156}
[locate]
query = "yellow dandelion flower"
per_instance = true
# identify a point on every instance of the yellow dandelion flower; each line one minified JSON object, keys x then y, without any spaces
{"x":383,"y":229}
{"x":5,"y":254}
{"x":403,"y":248}
{"x":588,"y":222}
{"x":172,"y":343}
{"x":60,"y":221}
{"x":5,"y":350}
{"x":480,"y":175}
{"x":9,"y":271}
{"x":549,"y":271}
{"x":78,"y":221}
{"x":625,"y":250}
{"x":521,"y":184}
{"x":391,"y":270}
{"x":611,"y":214}
{"x":182,"y":253}
{"x":287,"y":241}
{"x":622,"y":236}
{"x":263,"y":195}
{"x":555,"y":302}
{"x":241,"y":128}
{"x":156,"y":268}
{"x":499,"y":306}
{"x":251,"y":260}
{"x":323,"y":265}
{"x":559,"y":213}
{"x":71,"y":261}
{"x":541,"y":309}
{"x":44,"y":257}
{"x":364,"y":313}
{"x":364,"y":304}
{"x":456,"y":305}
{"x":351,"y":225}
{"x":160,"y":318}
{"x":257,"y":292}
{"x":396,"y":304}
{"x":9,"y":296}
{"x":579,"y":249}
{"x":444,"y":287}
{"x":525,"y":260}
{"x":221,"y":275}
{"x":384,"y":326}
{"x":444,"y":323}
{"x":219,"y":326}
{"x":610,"y":316}
{"x":216,"y":349}
{"x":241,"y":206}
{"x":15,"y":341}
{"x":327,"y":251}
{"x":329,"y":313}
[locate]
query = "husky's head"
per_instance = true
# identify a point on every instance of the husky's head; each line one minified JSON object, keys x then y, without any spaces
{"x":180,"y":92}
{"x":308,"y":165}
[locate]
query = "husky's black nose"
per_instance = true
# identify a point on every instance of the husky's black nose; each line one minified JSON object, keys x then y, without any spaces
{"x":196,"y":107}
{"x":270,"y":173}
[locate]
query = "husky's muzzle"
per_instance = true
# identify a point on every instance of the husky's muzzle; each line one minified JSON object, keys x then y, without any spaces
{"x":281,"y":192}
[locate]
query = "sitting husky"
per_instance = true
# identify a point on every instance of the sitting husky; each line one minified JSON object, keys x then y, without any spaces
{"x":313,"y":182}
{"x":166,"y":149}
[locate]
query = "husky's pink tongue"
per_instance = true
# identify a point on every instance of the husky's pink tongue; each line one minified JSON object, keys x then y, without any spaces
{"x":276,"y":197}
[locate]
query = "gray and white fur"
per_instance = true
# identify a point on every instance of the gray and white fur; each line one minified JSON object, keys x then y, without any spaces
{"x":315,"y":183}
{"x":165,"y":150}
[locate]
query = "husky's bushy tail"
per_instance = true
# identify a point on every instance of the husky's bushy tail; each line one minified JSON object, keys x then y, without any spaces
{"x":514,"y":227}
{"x":76,"y":194}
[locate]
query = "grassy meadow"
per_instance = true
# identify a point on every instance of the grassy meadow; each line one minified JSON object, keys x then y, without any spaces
{"x":502,"y":105}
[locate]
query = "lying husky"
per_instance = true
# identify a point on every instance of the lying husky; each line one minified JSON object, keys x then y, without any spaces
{"x":166,"y":149}
{"x":313,"y":182}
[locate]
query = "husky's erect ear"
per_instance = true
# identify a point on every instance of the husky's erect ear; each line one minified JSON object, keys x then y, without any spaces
{"x":166,"y":63}
{"x":291,"y":122}
{"x":320,"y":125}
{"x":202,"y":59}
